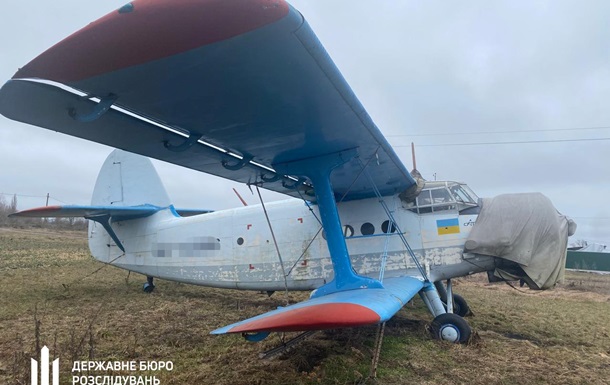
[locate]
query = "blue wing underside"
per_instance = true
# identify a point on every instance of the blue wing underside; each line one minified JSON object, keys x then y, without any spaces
{"x":270,"y":96}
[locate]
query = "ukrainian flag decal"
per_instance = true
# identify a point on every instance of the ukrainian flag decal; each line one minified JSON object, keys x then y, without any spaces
{"x":448,"y":226}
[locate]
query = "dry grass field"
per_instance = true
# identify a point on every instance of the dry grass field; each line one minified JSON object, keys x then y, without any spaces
{"x":53,"y":293}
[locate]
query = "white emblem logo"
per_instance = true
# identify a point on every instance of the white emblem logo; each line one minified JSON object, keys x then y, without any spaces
{"x":44,"y":369}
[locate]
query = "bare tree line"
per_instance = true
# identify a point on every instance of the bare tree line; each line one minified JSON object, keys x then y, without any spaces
{"x":7,"y":208}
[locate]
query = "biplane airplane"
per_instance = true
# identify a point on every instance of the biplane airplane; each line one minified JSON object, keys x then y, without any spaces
{"x":243,"y":89}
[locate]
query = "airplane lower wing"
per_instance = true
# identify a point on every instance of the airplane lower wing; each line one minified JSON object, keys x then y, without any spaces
{"x":341,"y":309}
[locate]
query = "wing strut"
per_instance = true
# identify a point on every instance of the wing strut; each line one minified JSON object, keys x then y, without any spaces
{"x":277,"y":249}
{"x":422,"y":271}
{"x":318,"y":170}
{"x":104,"y":220}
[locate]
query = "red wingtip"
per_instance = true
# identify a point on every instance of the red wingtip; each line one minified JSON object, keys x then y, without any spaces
{"x":36,"y":212}
{"x":318,"y":317}
{"x":149,"y":30}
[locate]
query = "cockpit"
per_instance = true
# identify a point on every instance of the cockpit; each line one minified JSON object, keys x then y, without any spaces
{"x":437,"y":196}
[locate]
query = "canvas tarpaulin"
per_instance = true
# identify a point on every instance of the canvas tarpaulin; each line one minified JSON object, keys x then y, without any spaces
{"x":525,"y":229}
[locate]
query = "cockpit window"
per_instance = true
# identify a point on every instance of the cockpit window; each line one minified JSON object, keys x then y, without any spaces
{"x":442,"y":196}
{"x":471,"y":193}
{"x":461,"y":195}
{"x":423,"y":199}
{"x":433,"y":200}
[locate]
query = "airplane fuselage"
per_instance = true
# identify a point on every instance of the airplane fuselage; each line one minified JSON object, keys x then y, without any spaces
{"x":235,"y":248}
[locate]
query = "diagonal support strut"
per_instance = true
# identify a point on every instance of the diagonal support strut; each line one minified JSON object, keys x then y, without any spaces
{"x":318,"y":170}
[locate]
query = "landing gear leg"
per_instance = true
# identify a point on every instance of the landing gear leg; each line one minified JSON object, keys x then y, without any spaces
{"x":460,"y":306}
{"x":429,"y":294}
{"x":149,"y":286}
{"x":446,"y":325}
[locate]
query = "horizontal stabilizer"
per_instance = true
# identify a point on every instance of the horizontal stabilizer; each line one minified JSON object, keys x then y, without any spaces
{"x":117,"y":213}
{"x":74,"y":211}
{"x":337,"y":310}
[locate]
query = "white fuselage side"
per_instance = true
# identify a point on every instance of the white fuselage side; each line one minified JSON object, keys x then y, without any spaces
{"x":235,"y":249}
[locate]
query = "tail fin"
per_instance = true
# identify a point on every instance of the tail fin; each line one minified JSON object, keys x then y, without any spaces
{"x":127,"y":187}
{"x":128,"y":179}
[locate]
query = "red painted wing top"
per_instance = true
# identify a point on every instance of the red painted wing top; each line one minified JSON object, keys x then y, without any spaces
{"x":148,"y":30}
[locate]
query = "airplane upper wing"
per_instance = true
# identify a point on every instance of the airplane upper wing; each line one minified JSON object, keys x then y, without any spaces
{"x":232,"y":88}
{"x":337,"y":310}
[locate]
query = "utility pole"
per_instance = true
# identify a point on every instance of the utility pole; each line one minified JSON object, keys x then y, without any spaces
{"x":47,"y":200}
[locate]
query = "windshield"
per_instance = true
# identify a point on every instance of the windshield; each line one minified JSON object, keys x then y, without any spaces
{"x":463,"y":194}
{"x":442,"y":196}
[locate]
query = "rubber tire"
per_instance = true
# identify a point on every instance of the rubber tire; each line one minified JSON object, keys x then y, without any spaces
{"x":454,"y":321}
{"x":148,"y":288}
{"x":460,"y":306}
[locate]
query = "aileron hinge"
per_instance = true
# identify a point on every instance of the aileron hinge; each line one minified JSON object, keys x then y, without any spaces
{"x":192,"y":139}
{"x":270,"y":179}
{"x":295,"y":185}
{"x":241,"y":163}
{"x":100,"y":109}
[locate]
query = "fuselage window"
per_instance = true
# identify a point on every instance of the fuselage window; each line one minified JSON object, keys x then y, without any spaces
{"x":367,"y":229}
{"x":348,"y":231}
{"x":385,"y":225}
{"x":240,"y":241}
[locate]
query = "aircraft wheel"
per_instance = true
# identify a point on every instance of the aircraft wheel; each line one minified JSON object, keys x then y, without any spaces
{"x":148,"y":287}
{"x":460,"y":306}
{"x":450,"y":327}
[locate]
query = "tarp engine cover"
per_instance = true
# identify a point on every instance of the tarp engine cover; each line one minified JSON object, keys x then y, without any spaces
{"x":525,"y":229}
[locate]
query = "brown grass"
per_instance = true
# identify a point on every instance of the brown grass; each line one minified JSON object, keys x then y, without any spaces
{"x":555,"y":337}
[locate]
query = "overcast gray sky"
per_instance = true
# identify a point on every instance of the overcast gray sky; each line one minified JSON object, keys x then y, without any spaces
{"x":441,"y":74}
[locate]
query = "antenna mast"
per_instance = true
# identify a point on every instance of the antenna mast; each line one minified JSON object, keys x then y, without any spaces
{"x":240,"y":198}
{"x":413,"y":156}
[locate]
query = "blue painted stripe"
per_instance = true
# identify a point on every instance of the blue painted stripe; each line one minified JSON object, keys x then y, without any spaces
{"x":447,"y":222}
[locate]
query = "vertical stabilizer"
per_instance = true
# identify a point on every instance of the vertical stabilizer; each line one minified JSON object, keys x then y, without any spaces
{"x":128,"y":179}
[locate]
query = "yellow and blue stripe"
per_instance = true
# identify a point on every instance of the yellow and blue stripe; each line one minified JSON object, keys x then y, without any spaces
{"x":448,"y":226}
